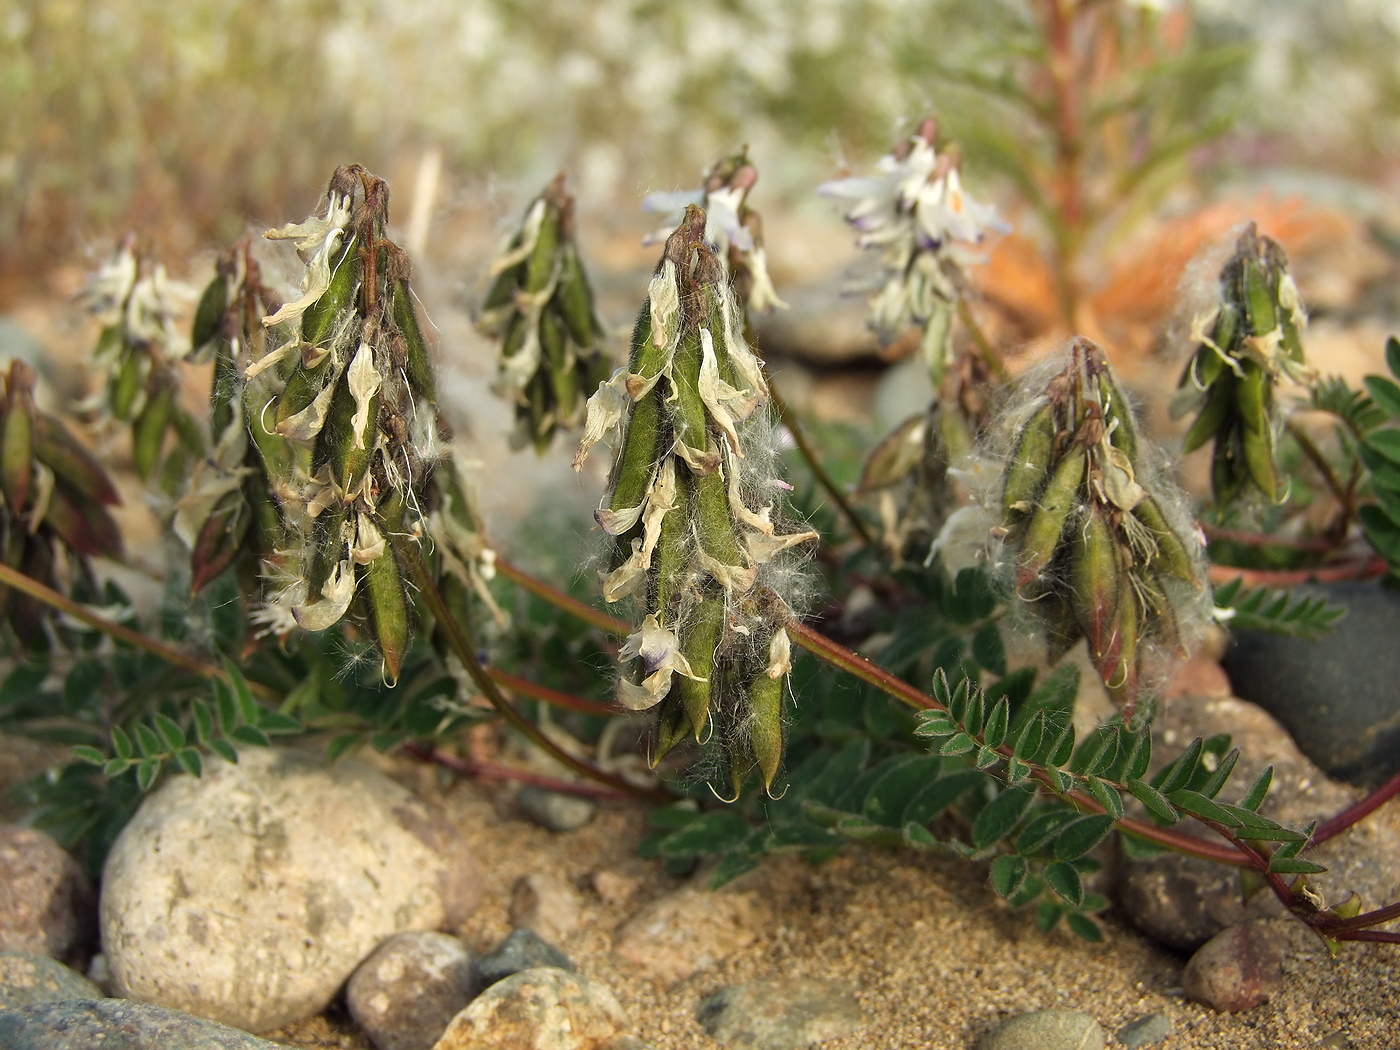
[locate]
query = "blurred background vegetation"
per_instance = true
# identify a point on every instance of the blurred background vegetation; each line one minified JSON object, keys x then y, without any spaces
{"x":187,"y":121}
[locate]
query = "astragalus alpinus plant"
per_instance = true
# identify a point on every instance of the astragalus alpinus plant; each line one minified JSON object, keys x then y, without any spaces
{"x":339,"y":580}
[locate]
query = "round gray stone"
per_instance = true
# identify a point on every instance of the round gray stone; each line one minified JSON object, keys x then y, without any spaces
{"x":26,"y":979}
{"x":250,"y":896}
{"x":1046,"y":1030}
{"x":117,"y":1024}
{"x":553,"y":809}
{"x":1145,"y":1031}
{"x":406,"y":993}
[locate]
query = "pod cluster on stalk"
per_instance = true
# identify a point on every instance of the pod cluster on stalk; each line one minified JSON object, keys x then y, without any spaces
{"x":693,"y":511}
{"x":1242,"y":347}
{"x":915,"y":214}
{"x":731,"y":225}
{"x":54,"y":512}
{"x":540,"y":307}
{"x":342,"y":412}
{"x":1098,"y":549}
{"x":136,"y":302}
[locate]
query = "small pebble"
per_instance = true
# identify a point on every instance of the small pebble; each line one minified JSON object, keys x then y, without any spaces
{"x":553,"y":809}
{"x":546,"y":904}
{"x":688,"y":931}
{"x":1145,"y":1031}
{"x":407,"y":992}
{"x":779,"y":1015}
{"x":26,"y":979}
{"x":615,"y":887}
{"x":1046,"y":1030}
{"x":522,"y":950}
{"x":1237,"y":969}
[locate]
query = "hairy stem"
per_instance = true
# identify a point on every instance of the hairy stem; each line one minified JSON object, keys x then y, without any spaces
{"x":459,"y":637}
{"x":62,"y":603}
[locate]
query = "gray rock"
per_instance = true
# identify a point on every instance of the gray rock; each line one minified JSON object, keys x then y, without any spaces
{"x":546,"y":904}
{"x":406,"y":993}
{"x":553,"y":809}
{"x":249,"y":896}
{"x":522,"y":950}
{"x":1239,"y":968}
{"x":688,"y":931}
{"x":1145,"y":1031}
{"x":780,"y":1015}
{"x":1180,"y":901}
{"x":1337,"y":694}
{"x":1046,"y":1030}
{"x":47,"y":904}
{"x":26,"y":979}
{"x":539,"y":1008}
{"x":117,"y":1024}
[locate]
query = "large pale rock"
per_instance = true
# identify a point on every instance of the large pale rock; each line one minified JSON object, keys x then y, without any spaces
{"x":688,"y":931}
{"x":540,"y":1009}
{"x":250,"y":895}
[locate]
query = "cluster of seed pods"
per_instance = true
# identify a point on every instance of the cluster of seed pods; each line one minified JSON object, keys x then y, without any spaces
{"x":1095,"y":551}
{"x":691,"y":509}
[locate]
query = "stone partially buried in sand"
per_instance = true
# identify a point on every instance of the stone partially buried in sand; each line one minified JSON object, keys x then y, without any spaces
{"x":779,"y":1015}
{"x":47,"y":904}
{"x":250,"y":895}
{"x":688,"y":931}
{"x":1046,"y":1030}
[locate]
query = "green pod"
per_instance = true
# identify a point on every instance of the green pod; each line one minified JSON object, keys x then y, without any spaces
{"x":563,"y":376}
{"x":1047,"y":522}
{"x":699,"y":638}
{"x":1172,"y":556}
{"x":672,"y":726}
{"x":1219,"y":403}
{"x":766,"y":725}
{"x":388,"y":608}
{"x":1252,"y":394}
{"x":318,"y":321}
{"x":671,"y":560}
{"x":327,"y":549}
{"x":540,"y":267}
{"x":128,"y":382}
{"x":302,"y":387}
{"x":219,"y":540}
{"x":713,"y":525}
{"x":148,"y":435}
{"x":17,"y":450}
{"x":336,"y":444}
{"x":209,"y":314}
{"x":1096,"y":571}
{"x":1028,"y":469}
{"x":687,"y":409}
{"x":224,"y":390}
{"x":418,"y":364}
{"x":1227,"y":326}
{"x":1118,"y":414}
{"x":1259,"y":296}
{"x":640,"y":447}
{"x":1258,"y":449}
{"x":1226,"y":475}
{"x":575,"y":301}
{"x":70,"y":462}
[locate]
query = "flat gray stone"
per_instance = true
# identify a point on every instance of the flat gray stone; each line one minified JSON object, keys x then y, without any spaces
{"x":780,"y":1015}
{"x":1046,"y":1030}
{"x":1145,"y":1031}
{"x":117,"y":1024}
{"x":27,"y":979}
{"x":521,"y":950}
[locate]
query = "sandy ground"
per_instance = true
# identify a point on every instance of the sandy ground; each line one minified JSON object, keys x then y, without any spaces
{"x":934,"y":958}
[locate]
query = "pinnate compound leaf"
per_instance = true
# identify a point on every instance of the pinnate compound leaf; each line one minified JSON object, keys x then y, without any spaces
{"x":1001,"y":815}
{"x":1040,"y":832}
{"x":1198,"y":805}
{"x":1008,"y":874}
{"x":933,"y":798}
{"x":1179,"y":773}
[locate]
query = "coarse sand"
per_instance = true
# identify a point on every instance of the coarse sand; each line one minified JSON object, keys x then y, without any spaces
{"x":935,"y":959}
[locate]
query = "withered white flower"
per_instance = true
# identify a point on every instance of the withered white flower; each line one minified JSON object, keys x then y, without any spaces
{"x":660,"y":652}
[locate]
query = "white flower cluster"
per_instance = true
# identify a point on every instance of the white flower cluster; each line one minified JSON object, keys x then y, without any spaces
{"x":916,"y":214}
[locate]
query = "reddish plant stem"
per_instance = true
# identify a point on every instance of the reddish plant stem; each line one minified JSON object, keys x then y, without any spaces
{"x":1362,"y":569}
{"x":1357,"y":811}
{"x":1382,"y":936}
{"x":560,"y":600}
{"x":1332,"y":927}
{"x":1263,"y":539}
{"x":473,"y":768}
{"x":553,"y":697}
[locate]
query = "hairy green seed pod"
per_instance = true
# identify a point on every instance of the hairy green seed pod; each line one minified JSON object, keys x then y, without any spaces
{"x":128,"y":383}
{"x":1220,"y":401}
{"x":1171,"y":556}
{"x":17,"y":440}
{"x":1028,"y":469}
{"x":700,"y":636}
{"x":321,"y":317}
{"x":766,"y":726}
{"x":1096,"y":571}
{"x":1047,"y":521}
{"x":148,"y":436}
{"x":71,"y":463}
